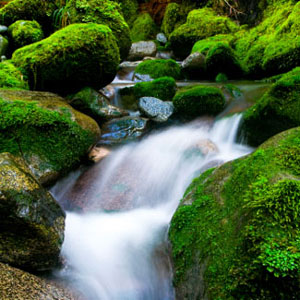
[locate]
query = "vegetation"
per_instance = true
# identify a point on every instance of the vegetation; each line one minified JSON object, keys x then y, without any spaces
{"x":198,"y":100}
{"x":76,"y":56}
{"x":11,"y":77}
{"x":239,"y":225}
{"x":159,"y":68}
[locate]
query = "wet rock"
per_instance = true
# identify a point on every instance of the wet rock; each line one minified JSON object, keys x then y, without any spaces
{"x":17,"y":284}
{"x":156,"y":109}
{"x":126,"y":70}
{"x":3,"y":45}
{"x":98,"y":153}
{"x":96,"y":105}
{"x":142,"y":49}
{"x":142,"y":77}
{"x":45,"y":131}
{"x":160,"y":37}
{"x":108,"y":92}
{"x":3,"y":29}
{"x":118,"y":131}
{"x":202,"y":148}
{"x":194,"y":65}
{"x":165,"y":54}
{"x":31,"y":221}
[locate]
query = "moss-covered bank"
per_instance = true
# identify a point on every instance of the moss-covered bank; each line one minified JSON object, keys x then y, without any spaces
{"x":236,"y":232}
{"x":11,"y":77}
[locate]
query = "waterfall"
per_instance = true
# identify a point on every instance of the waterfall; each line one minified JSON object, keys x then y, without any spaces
{"x":121,"y":254}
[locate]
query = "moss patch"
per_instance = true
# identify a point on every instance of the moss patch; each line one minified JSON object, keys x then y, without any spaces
{"x":77,"y":56}
{"x":159,"y":68}
{"x":11,"y":77}
{"x":236,"y":231}
{"x":198,"y":100}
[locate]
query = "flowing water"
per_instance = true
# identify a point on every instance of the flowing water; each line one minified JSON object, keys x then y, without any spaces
{"x":122,"y":255}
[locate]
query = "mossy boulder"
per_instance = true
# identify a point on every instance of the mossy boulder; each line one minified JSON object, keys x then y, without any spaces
{"x":11,"y":77}
{"x":159,"y":68}
{"x":94,"y":104}
{"x":32,"y":222}
{"x":236,"y":232}
{"x":104,"y":12}
{"x":77,"y":56}
{"x":129,"y":9}
{"x":45,"y":131}
{"x":23,"y":33}
{"x":194,"y":101}
{"x":3,"y":45}
{"x":143,"y":28}
{"x":273,"y":46}
{"x":17,"y":284}
{"x":200,"y":24}
{"x":173,"y":18}
{"x":41,"y":11}
{"x":276,"y":111}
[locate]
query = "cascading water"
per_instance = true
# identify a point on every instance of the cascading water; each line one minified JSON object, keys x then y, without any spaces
{"x":120,"y":255}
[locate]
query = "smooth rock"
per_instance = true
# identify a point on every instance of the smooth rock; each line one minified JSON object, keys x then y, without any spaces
{"x":156,"y":109}
{"x":108,"y":92}
{"x":98,"y":153}
{"x":161,"y":38}
{"x":3,"y":29}
{"x":118,"y":131}
{"x":165,"y":54}
{"x":3,"y":45}
{"x":141,"y":49}
{"x":31,"y":221}
{"x":194,"y":65}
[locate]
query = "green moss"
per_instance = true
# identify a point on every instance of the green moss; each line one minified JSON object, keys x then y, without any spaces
{"x":11,"y":77}
{"x":40,"y":11}
{"x":273,"y":46}
{"x":221,"y":77}
{"x":277,"y":110}
{"x":47,"y":132}
{"x":129,"y":9}
{"x":201,"y":23}
{"x":24,"y":33}
{"x":173,"y":18}
{"x":159,"y":68}
{"x":143,"y":28}
{"x":236,"y":231}
{"x":198,"y":100}
{"x":104,"y":12}
{"x":77,"y":56}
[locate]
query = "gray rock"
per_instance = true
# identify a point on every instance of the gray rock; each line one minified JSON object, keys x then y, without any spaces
{"x":3,"y":29}
{"x":3,"y":45}
{"x":161,"y":38}
{"x":141,"y":77}
{"x":165,"y":54}
{"x":156,"y":109}
{"x":194,"y":64}
{"x":142,"y":49}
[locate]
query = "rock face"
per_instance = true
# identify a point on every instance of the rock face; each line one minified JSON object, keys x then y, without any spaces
{"x":277,"y":110}
{"x":44,"y":130}
{"x":235,"y":231}
{"x":156,"y":109}
{"x":142,"y":49}
{"x":17,"y":284}
{"x":122,"y":130}
{"x":96,"y":105}
{"x":74,"y":57}
{"x":194,"y":101}
{"x":32,"y":222}
{"x":103,"y":12}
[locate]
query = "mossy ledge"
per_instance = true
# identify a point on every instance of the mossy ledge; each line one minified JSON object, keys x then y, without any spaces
{"x":236,"y":232}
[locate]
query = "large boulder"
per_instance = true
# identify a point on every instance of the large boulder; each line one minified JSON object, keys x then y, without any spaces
{"x":276,"y":111}
{"x":196,"y":100}
{"x":159,"y":68}
{"x":200,"y":24}
{"x":129,"y":9}
{"x":24,"y":32}
{"x":32,"y":222}
{"x":77,"y":56}
{"x":173,"y":18}
{"x":96,"y":105}
{"x":11,"y":77}
{"x":17,"y":284}
{"x":45,"y":131}
{"x":104,"y":12}
{"x":236,"y":232}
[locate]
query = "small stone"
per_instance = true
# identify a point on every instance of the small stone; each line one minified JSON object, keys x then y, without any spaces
{"x":161,"y":38}
{"x":3,"y":29}
{"x":142,"y":49}
{"x":195,"y":61}
{"x":98,"y":153}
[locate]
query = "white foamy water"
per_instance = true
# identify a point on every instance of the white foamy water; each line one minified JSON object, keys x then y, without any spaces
{"x":121,"y":255}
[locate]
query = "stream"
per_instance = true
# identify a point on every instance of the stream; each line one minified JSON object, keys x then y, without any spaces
{"x":120,"y":251}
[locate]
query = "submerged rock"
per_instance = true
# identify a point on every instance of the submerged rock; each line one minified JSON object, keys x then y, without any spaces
{"x":235,"y":232}
{"x":142,"y":49}
{"x":45,"y":131}
{"x":98,"y":153}
{"x":31,"y":221}
{"x":122,"y":130}
{"x":156,"y":109}
{"x":17,"y":284}
{"x":96,"y":105}
{"x":76,"y":56}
